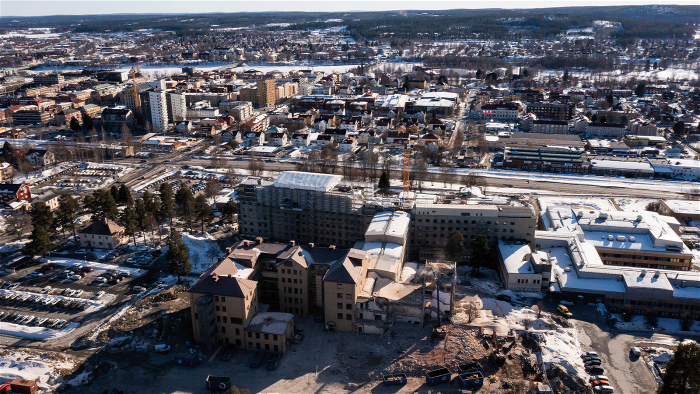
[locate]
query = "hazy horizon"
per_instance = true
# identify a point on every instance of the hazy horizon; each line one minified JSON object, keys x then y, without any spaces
{"x":107,"y":7}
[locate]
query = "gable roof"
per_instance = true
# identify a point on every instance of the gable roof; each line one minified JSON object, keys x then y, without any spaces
{"x":346,"y":271}
{"x":102,"y":227}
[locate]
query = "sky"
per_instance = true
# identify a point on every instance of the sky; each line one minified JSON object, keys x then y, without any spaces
{"x":69,"y":7}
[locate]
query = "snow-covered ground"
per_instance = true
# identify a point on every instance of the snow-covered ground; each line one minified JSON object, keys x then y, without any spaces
{"x":602,"y":204}
{"x":199,"y":247}
{"x":633,"y":204}
{"x":36,"y":333}
{"x":42,"y":368}
{"x":665,"y":325}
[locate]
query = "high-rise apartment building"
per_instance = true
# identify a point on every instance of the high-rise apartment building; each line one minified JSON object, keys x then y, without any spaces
{"x":267,"y":95}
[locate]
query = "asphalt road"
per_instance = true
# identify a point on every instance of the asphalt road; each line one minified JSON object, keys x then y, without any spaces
{"x":628,"y":373}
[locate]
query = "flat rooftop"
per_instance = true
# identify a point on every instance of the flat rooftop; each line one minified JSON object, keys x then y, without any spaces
{"x":307,"y":181}
{"x":270,"y":322}
{"x":516,"y":257}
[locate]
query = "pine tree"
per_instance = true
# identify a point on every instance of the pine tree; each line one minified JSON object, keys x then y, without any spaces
{"x":167,"y":201}
{"x":178,"y":256}
{"x":384,"y":184}
{"x":185,"y":204}
{"x":131,"y":222}
{"x":114,"y":191}
{"x":640,"y":90}
{"x":40,"y":242}
{"x":681,"y":375}
{"x":481,"y":253}
{"x":125,"y":196}
{"x":229,"y":210}
{"x":454,"y":248}
{"x":42,"y":216}
{"x":88,"y":124}
{"x":74,"y":124}
{"x":203,"y":210}
{"x":67,"y":213}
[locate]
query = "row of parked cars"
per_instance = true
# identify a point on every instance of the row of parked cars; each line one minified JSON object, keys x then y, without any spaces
{"x":41,"y":300}
{"x":35,"y":321}
{"x":144,"y":257}
{"x":600,"y":382}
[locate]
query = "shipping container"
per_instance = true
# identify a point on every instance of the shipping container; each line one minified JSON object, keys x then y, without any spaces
{"x":395,"y":379}
{"x":23,"y":386}
{"x":187,"y":359}
{"x":218,"y":383}
{"x":471,"y":379}
{"x":437,"y":376}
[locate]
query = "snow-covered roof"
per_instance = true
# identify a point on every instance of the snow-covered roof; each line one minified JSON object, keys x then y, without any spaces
{"x":516,"y":257}
{"x":307,"y":181}
{"x":683,"y":207}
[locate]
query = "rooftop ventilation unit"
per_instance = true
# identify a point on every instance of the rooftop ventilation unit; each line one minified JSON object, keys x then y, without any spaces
{"x":632,"y":239}
{"x":610,"y":237}
{"x":621,"y":238}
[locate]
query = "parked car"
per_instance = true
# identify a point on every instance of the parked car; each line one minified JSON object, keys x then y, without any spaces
{"x":584,"y":354}
{"x":504,"y":297}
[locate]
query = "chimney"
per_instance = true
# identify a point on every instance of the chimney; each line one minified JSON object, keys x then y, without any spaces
{"x":311,"y":245}
{"x":331,"y":247}
{"x":259,"y":240}
{"x":215,"y":276}
{"x":292,"y":242}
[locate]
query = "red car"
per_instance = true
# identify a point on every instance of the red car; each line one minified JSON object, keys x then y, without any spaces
{"x":86,"y":269}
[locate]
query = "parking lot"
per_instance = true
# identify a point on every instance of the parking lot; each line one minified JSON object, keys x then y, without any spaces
{"x":61,"y":293}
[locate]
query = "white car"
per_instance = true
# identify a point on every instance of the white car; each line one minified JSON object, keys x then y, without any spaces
{"x":46,"y":290}
{"x":99,"y":295}
{"x":77,"y":293}
{"x":636,"y":351}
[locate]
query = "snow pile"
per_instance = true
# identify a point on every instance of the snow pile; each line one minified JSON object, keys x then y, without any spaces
{"x":561,"y":347}
{"x":601,"y":308}
{"x":40,"y":368}
{"x":81,"y":379}
{"x":36,"y":333}
{"x":198,"y":246}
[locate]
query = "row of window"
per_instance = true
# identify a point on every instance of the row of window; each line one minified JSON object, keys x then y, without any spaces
{"x":289,"y":290}
{"x":347,"y":306}
{"x":348,"y":316}
{"x":466,"y":229}
{"x":223,"y":319}
{"x":643,"y":265}
{"x":295,"y":299}
{"x":467,"y":221}
{"x":265,"y":336}
{"x":535,"y":281}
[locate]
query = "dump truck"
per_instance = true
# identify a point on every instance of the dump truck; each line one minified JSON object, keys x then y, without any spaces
{"x":437,"y":376}
{"x":395,"y":379}
{"x":471,"y":379}
{"x":218,"y":383}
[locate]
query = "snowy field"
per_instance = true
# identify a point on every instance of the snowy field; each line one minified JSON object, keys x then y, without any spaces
{"x":44,"y":368}
{"x":199,"y":247}
{"x":602,"y":204}
{"x":665,"y":325}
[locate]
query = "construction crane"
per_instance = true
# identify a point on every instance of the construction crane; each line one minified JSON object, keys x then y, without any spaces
{"x":137,"y":103}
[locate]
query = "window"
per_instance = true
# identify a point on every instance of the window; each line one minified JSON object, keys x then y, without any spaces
{"x":267,"y":337}
{"x":250,"y":334}
{"x":224,"y":318}
{"x":348,"y":316}
{"x":223,"y":329}
{"x":348,"y":306}
{"x":218,"y":319}
{"x":216,"y":298}
{"x":223,"y":299}
{"x":348,"y":296}
{"x":340,"y":316}
{"x":340,"y":295}
{"x":257,"y":335}
{"x":340,"y":305}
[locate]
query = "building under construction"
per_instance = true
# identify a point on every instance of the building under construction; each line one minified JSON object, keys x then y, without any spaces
{"x":308,"y":208}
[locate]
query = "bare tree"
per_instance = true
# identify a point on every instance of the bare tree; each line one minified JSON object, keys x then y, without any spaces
{"x":471,"y":311}
{"x":231,"y":175}
{"x":256,"y":166}
{"x":17,"y":225}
